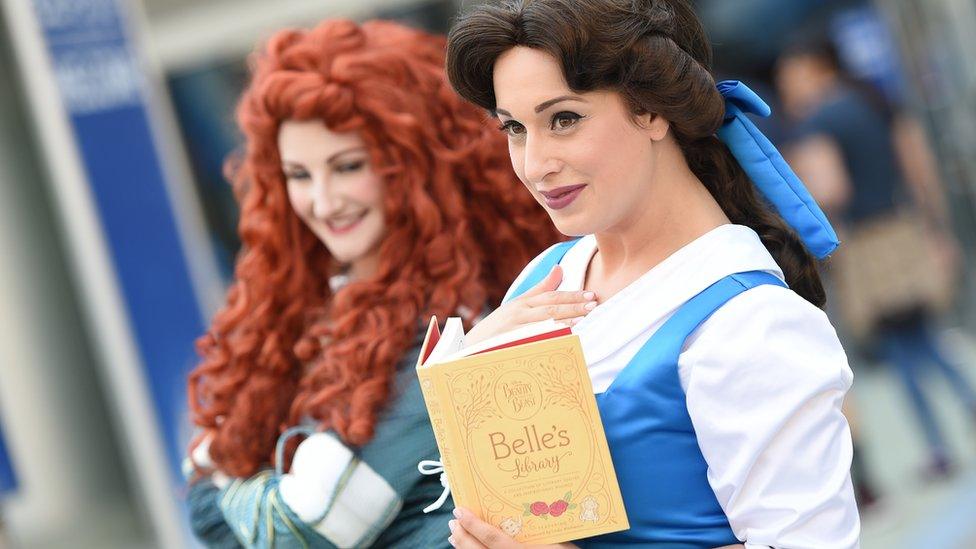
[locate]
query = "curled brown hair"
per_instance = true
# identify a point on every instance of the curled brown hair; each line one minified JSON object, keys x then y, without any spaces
{"x":656,"y":55}
{"x":459,"y":229}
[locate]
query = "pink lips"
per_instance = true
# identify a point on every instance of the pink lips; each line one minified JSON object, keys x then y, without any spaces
{"x":346,"y":229}
{"x":558,"y":199}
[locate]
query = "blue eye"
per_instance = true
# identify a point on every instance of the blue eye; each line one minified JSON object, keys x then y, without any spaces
{"x":512,"y":128}
{"x":349,"y":167}
{"x":296,"y":174}
{"x":564,"y":120}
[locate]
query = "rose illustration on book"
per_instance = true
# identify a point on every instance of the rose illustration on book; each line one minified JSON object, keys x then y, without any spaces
{"x":554,"y":509}
{"x":558,"y":507}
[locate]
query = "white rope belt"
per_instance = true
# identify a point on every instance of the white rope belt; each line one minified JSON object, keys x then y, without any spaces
{"x":431,"y":467}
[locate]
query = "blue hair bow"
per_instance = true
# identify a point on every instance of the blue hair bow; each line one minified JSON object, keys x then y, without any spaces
{"x":769,"y":171}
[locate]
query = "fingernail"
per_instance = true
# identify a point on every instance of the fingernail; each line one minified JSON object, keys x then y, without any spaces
{"x":457,"y":513}
{"x":590,"y":306}
{"x":589,"y":296}
{"x":452,"y":525}
{"x":451,"y":541}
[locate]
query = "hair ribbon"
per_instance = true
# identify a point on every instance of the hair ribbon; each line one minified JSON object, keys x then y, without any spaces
{"x":769,"y":171}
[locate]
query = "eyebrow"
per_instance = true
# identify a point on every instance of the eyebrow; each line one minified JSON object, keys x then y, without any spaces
{"x":330,"y":159}
{"x":546,"y":104}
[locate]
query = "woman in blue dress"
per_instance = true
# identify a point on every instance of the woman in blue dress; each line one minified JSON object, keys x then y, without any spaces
{"x":718,"y":377}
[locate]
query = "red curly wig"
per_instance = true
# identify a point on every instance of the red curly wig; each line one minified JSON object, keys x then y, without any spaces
{"x":284,"y":348}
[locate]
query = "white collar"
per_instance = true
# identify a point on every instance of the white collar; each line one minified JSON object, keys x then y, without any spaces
{"x":653,"y":297}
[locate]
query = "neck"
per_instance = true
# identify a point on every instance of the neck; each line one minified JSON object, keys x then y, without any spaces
{"x":364,"y":267}
{"x":678,"y":209}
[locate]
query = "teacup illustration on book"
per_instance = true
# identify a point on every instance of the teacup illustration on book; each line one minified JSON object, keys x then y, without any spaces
{"x":511,"y":525}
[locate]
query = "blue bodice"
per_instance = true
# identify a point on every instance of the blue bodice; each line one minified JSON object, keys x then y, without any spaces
{"x":660,"y":468}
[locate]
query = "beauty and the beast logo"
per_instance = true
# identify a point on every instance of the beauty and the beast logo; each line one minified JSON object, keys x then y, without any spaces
{"x":518,"y":395}
{"x":530,"y":436}
{"x":525,"y":425}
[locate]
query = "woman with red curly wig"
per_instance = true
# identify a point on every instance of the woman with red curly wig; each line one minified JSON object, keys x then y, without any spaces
{"x":371,"y":198}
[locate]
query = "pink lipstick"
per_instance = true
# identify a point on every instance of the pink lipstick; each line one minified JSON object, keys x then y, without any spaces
{"x":345,"y":228}
{"x":558,"y":199}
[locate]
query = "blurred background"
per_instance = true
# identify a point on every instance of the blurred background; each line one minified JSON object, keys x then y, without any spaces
{"x":117,"y":236}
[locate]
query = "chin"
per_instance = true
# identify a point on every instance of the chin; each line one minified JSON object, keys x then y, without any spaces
{"x":571,"y":227}
{"x":345,"y":256}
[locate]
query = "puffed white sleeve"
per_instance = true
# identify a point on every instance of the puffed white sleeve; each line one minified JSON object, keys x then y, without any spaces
{"x":765,"y":378}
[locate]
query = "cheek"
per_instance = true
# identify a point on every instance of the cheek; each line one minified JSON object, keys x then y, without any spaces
{"x":517,"y":159}
{"x":300,"y":200}
{"x":368,"y":191}
{"x":618,"y":154}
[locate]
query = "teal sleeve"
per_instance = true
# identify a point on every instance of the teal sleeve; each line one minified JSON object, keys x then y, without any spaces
{"x":206,"y":519}
{"x":255,"y":513}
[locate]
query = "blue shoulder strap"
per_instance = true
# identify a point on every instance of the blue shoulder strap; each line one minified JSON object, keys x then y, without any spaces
{"x":666,"y":344}
{"x":542,"y":269}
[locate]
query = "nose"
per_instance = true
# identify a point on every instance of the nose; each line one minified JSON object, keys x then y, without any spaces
{"x":324,"y":199}
{"x":539,"y":162}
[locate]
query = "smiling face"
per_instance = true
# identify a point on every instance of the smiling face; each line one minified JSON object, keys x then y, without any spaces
{"x":585,"y":157}
{"x":334,"y":190}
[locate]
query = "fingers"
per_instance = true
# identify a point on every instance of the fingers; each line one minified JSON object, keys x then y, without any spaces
{"x":461,"y":539}
{"x":547,"y":284}
{"x":559,"y":306}
{"x":559,"y":298}
{"x":470,"y":531}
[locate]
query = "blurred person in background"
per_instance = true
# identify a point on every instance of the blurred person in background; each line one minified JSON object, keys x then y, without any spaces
{"x":870,"y":168}
{"x":371,"y":198}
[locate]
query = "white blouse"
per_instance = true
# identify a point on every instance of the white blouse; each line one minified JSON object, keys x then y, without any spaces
{"x":764,"y":378}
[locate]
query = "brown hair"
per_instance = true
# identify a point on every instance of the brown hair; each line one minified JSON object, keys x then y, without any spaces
{"x":285,"y":348}
{"x":656,"y":55}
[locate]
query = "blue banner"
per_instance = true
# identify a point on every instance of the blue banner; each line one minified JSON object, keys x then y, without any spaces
{"x":104,"y":90}
{"x":8,"y":482}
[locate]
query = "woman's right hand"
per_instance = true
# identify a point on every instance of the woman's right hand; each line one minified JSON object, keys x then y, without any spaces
{"x":541,"y":302}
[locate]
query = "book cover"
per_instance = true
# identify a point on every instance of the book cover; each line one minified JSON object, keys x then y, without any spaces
{"x":521,"y":438}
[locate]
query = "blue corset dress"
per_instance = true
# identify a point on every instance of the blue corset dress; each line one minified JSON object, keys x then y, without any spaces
{"x":660,"y":468}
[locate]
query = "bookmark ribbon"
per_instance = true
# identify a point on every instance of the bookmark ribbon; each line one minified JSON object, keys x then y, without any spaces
{"x":431,"y":467}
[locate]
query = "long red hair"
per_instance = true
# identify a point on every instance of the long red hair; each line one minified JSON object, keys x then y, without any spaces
{"x":284,"y":348}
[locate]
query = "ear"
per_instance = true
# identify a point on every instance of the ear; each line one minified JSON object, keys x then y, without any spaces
{"x":653,"y":125}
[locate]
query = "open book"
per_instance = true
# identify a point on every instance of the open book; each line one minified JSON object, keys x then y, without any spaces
{"x":519,"y":432}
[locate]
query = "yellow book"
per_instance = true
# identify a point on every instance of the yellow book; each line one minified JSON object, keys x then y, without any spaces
{"x":520,"y":434}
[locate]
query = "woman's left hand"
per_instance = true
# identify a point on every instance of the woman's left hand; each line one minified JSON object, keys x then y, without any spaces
{"x":470,"y":532}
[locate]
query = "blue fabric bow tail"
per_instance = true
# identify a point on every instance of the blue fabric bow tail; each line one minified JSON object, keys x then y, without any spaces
{"x":769,"y":171}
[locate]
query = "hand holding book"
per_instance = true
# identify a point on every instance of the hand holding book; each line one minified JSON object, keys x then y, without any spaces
{"x":542,"y":302}
{"x":469,"y":531}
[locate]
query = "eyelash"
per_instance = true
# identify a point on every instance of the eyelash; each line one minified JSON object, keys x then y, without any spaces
{"x":509,"y":125}
{"x":565,"y":115}
{"x":353,"y":166}
{"x":347,"y":167}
